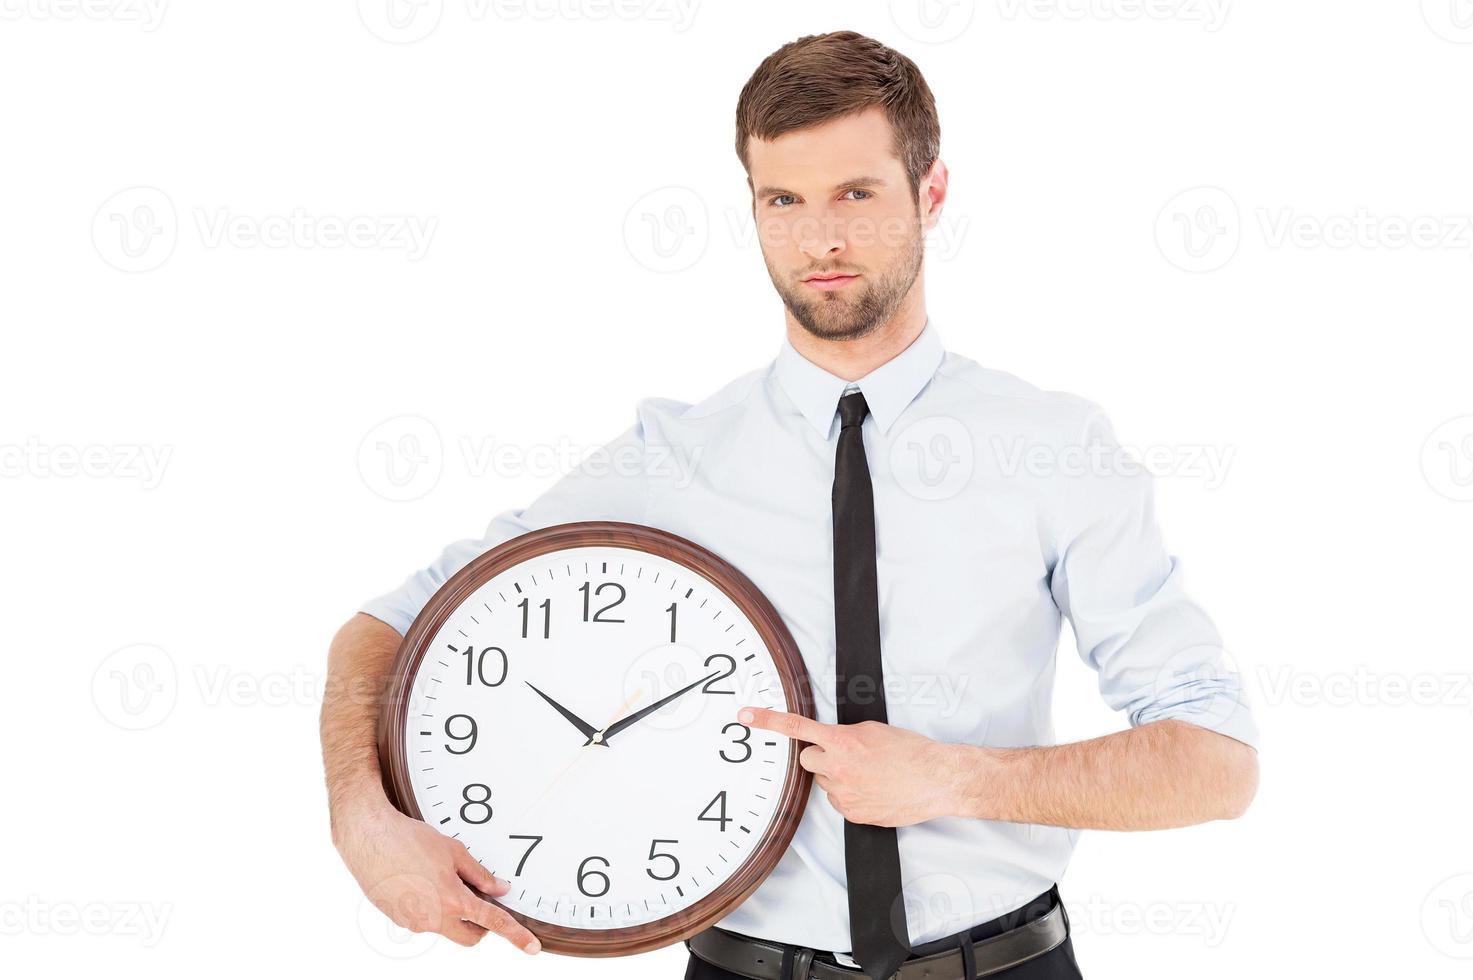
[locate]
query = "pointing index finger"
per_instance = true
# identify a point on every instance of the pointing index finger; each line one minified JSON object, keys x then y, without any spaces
{"x":786,"y":723}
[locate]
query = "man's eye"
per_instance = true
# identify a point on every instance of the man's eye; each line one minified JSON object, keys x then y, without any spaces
{"x":857,"y":190}
{"x":779,"y":198}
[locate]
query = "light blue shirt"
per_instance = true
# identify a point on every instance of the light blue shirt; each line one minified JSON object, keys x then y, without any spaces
{"x":1000,"y":509}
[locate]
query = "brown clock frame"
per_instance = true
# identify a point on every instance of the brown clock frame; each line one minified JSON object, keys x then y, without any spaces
{"x":759,"y":610}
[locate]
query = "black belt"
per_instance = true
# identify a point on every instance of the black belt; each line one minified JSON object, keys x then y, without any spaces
{"x":760,"y":959}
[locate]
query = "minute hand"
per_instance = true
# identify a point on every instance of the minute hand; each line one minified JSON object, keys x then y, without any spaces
{"x":624,"y":723}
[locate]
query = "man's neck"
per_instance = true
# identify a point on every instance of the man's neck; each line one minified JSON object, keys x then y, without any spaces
{"x":852,"y":359}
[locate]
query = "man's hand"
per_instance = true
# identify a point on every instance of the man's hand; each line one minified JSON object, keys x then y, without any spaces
{"x":415,"y":875}
{"x":873,"y":773}
{"x":418,"y":877}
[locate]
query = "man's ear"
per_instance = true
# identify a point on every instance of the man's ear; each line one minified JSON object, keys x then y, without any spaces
{"x":932,"y":194}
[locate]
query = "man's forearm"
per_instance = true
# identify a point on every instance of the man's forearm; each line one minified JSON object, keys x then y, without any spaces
{"x":359,"y":661}
{"x":1163,"y":774}
{"x":418,"y":877}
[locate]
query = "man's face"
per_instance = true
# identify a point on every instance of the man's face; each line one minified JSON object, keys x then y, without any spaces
{"x":833,"y":200}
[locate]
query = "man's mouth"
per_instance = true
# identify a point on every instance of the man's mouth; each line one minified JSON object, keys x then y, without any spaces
{"x":830,"y":280}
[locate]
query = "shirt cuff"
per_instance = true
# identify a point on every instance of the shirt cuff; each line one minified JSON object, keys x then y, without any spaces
{"x":384,"y":609}
{"x":1223,"y":709}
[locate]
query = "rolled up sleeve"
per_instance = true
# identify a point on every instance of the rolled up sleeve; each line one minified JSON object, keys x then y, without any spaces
{"x":610,"y":484}
{"x":1156,"y":651}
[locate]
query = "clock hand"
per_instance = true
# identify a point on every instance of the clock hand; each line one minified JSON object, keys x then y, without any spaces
{"x":624,"y":723}
{"x":588,"y":730}
{"x":573,"y":762}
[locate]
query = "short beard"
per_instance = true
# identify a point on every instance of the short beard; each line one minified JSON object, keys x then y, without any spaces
{"x":875,"y":306}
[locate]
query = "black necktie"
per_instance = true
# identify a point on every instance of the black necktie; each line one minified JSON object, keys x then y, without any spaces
{"x":877,"y":925}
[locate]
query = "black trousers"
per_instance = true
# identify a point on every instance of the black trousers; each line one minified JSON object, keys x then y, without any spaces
{"x":1057,"y":964}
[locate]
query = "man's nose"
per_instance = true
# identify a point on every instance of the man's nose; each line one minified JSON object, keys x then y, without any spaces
{"x":821,"y":236}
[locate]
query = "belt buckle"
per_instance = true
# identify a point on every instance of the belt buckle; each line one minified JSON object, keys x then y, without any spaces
{"x":848,"y":964}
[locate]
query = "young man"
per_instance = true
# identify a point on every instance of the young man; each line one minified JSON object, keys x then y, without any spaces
{"x":852,"y":480}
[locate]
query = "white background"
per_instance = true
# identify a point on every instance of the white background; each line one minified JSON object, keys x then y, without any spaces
{"x":218,"y":381}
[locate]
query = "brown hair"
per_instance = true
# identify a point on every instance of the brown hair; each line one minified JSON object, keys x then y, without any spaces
{"x":824,"y":76}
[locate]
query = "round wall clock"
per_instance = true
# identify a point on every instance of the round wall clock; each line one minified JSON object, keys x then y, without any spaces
{"x":565,"y":706}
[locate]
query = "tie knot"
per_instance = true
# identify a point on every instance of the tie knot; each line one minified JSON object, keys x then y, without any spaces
{"x":852,"y":409}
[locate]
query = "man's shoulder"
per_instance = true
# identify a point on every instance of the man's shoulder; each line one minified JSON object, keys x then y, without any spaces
{"x":730,"y":395}
{"x":1007,"y":398}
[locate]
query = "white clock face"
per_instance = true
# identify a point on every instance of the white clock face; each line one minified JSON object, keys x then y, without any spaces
{"x":527,"y":739}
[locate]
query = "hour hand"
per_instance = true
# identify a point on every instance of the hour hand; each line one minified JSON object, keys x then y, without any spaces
{"x":584,"y":727}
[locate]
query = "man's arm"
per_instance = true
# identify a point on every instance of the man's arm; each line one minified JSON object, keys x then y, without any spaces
{"x":1190,"y":753}
{"x":415,"y":875}
{"x":1162,"y":774}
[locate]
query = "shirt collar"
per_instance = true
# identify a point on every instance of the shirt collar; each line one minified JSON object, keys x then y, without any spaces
{"x":888,"y":389}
